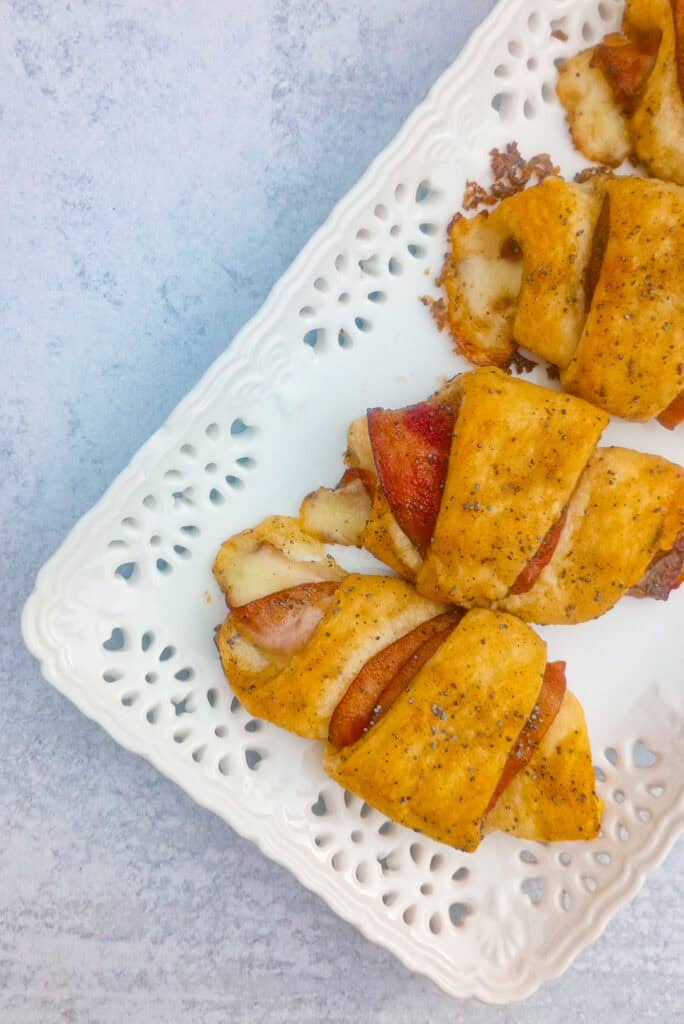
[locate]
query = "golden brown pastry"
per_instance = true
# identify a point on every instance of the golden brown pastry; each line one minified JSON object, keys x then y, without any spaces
{"x":367,"y":614}
{"x":432,"y":716}
{"x":434,"y":760}
{"x":515,"y":275}
{"x":629,"y":358}
{"x":549,"y":796}
{"x":624,"y":97}
{"x":623,"y":521}
{"x":516,"y":454}
{"x":494,"y":494}
{"x":587,"y":276}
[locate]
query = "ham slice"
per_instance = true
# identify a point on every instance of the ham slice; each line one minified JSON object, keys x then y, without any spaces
{"x":368,"y":691}
{"x":674,"y":414}
{"x":411,"y":450}
{"x":664,"y":574}
{"x":532,"y":570}
{"x":536,"y":727}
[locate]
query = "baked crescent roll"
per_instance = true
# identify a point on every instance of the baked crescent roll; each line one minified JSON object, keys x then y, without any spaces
{"x":624,"y":96}
{"x":433,"y":761}
{"x":284,"y":589}
{"x":629,"y":357}
{"x":430,"y":715}
{"x":494,"y":494}
{"x":599,"y":269}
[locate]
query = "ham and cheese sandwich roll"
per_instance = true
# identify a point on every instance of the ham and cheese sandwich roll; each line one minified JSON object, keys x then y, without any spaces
{"x":446,"y":756}
{"x":494,"y":494}
{"x":587,"y":276}
{"x":625,"y":96}
{"x":430,"y":715}
{"x":300,"y":627}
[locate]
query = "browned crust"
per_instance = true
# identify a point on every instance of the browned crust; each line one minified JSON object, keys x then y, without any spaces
{"x":512,"y":173}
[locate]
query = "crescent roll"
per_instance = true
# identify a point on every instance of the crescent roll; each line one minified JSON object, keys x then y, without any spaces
{"x":625,"y":95}
{"x":599,"y":290}
{"x":493,"y":493}
{"x":430,"y":715}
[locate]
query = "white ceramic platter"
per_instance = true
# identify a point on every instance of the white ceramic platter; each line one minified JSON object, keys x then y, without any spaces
{"x":122,"y":616}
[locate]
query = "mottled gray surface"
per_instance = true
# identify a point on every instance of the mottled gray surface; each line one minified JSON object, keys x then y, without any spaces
{"x":162,"y":162}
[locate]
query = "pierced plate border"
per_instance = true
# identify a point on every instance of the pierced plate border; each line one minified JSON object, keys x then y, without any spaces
{"x":498,"y":89}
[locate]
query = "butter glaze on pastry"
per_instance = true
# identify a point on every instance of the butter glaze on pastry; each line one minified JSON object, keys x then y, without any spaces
{"x":599,"y":268}
{"x":527,"y":514}
{"x":624,"y":96}
{"x":448,"y":712}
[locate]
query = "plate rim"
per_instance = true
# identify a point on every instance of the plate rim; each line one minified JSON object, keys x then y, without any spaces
{"x":307,"y":873}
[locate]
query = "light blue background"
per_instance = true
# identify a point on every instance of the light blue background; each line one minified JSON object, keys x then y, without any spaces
{"x":161,"y":163}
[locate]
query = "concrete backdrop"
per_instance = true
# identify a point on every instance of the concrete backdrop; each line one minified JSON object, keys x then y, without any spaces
{"x":162,"y":162}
